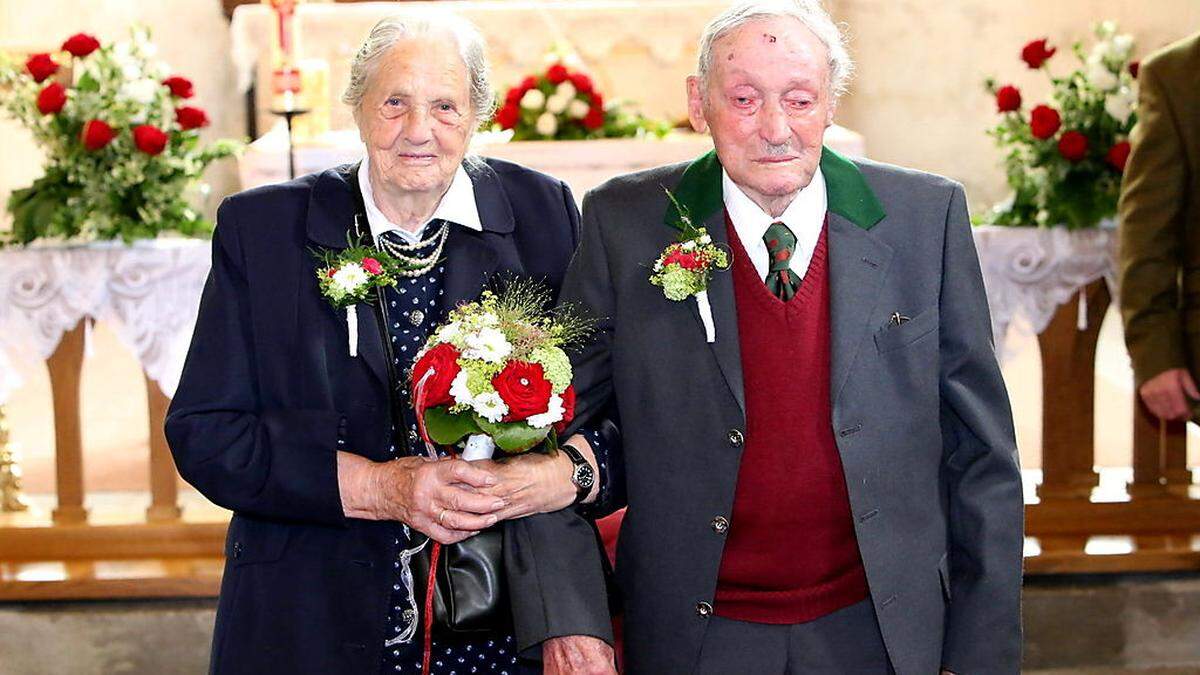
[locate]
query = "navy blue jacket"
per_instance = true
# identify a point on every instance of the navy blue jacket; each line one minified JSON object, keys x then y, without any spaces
{"x":268,"y":379}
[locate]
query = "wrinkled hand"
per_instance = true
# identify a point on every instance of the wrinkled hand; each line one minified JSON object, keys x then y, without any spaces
{"x":1167,"y":394}
{"x":437,"y":497}
{"x":530,"y":483}
{"x":577,"y":655}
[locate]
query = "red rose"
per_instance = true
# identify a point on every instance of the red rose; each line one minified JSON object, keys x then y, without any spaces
{"x":372,"y":266}
{"x":688,"y":261}
{"x":568,"y":399}
{"x":149,"y":139}
{"x":190,"y":118}
{"x":1073,"y":146}
{"x":97,"y":134}
{"x":443,"y":361}
{"x":1008,"y":99}
{"x":51,"y":99}
{"x":1118,"y":155}
{"x":529,"y":83}
{"x":594,"y":119}
{"x":1044,"y":122}
{"x":41,"y":66}
{"x":508,"y":116}
{"x":597,"y":100}
{"x":513,"y":97}
{"x":1134,"y":67}
{"x":583,"y":83}
{"x":557,"y":73}
{"x":80,"y":45}
{"x":1036,"y":53}
{"x":524,"y":388}
{"x":180,"y":87}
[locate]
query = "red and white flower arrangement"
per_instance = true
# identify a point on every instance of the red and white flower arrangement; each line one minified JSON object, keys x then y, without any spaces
{"x":121,"y":146}
{"x":497,"y":371}
{"x":1064,"y":158}
{"x":685,"y":267}
{"x":565,"y":104}
{"x":350,"y":276}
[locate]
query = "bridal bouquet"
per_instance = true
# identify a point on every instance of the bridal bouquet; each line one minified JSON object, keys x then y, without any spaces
{"x":564,"y":104}
{"x":497,"y":369}
{"x":1064,"y":158}
{"x":121,"y":142}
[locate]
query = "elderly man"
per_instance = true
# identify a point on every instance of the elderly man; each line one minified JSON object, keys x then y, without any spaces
{"x":820,"y":467}
{"x":294,"y":414}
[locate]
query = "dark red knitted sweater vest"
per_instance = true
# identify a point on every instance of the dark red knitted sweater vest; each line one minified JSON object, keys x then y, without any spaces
{"x":791,"y":554}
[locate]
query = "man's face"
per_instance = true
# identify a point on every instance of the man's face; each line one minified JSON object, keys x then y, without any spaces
{"x":416,"y":118}
{"x":767,"y":103}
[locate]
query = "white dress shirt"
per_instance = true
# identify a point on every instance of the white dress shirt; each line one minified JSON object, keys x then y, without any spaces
{"x":457,"y":206}
{"x":804,"y":217}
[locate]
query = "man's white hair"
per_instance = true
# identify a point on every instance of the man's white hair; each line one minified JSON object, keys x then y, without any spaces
{"x":808,"y":12}
{"x":392,"y":29}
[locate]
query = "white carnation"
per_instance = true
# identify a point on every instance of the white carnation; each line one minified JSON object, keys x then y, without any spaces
{"x":705,"y":239}
{"x":1100,"y":76}
{"x":557,"y":104}
{"x":1120,"y":104}
{"x":350,"y":277}
{"x":1122,"y":45}
{"x":458,"y":389}
{"x":565,"y":91}
{"x":487,"y":344}
{"x":139,"y":91}
{"x":547,"y":124}
{"x":490,"y":406}
{"x":533,"y":99}
{"x":554,"y":414}
{"x":578,"y":109}
{"x":451,"y":332}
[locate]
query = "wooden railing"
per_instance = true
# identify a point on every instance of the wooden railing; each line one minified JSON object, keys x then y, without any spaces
{"x":1157,"y":519}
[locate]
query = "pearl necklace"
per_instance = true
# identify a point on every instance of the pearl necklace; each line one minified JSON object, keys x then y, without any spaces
{"x":418,"y":265}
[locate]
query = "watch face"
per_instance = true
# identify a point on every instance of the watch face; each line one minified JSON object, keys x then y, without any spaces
{"x":584,"y":477}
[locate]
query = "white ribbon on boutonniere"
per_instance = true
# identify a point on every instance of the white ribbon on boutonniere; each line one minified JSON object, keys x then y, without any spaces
{"x":706,"y":316}
{"x":352,"y":329}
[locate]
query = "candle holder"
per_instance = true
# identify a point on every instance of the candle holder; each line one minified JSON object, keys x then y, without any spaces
{"x":289,"y":109}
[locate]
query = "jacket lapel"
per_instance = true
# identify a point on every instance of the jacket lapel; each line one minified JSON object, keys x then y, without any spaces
{"x":335,"y":199}
{"x":471,"y":257}
{"x":858,"y":265}
{"x":726,"y":348}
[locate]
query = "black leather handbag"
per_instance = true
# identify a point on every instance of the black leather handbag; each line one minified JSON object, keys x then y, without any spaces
{"x":470,"y":590}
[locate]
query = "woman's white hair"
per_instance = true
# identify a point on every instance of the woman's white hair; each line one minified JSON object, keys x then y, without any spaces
{"x":808,"y":12}
{"x":392,"y":29}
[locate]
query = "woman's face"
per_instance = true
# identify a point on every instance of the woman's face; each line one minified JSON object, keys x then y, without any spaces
{"x":415,"y":117}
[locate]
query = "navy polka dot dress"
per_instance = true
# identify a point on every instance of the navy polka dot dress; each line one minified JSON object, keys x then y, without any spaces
{"x":413,"y":311}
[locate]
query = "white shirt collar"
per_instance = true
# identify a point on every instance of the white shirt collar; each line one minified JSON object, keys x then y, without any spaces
{"x":457,"y":206}
{"x":805,"y":217}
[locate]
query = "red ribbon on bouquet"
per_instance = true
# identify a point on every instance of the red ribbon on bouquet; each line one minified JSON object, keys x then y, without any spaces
{"x":419,"y":405}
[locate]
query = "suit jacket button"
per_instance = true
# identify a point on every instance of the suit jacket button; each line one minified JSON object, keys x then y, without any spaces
{"x":720,"y":524}
{"x":704,"y":609}
{"x":736,"y":438}
{"x":237,"y":550}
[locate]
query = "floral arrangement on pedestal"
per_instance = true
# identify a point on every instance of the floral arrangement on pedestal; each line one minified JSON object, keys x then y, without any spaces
{"x":1064,"y":158}
{"x":563,"y":104}
{"x":121,"y":141}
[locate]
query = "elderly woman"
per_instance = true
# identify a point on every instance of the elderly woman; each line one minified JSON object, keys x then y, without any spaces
{"x":313,"y":445}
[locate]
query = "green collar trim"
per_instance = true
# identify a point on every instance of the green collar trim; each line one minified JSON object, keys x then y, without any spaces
{"x":849,"y":196}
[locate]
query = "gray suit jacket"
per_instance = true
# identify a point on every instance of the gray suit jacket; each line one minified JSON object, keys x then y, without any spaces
{"x":920,"y":414}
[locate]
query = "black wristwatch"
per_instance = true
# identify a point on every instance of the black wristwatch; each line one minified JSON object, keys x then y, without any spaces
{"x":582,"y":475}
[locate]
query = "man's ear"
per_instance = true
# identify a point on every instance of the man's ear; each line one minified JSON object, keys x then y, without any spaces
{"x":696,"y":105}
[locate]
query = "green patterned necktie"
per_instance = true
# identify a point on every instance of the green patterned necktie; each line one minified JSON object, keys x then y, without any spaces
{"x":781,"y":243}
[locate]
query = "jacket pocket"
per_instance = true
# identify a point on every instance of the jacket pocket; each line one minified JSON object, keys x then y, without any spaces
{"x":892,"y":337}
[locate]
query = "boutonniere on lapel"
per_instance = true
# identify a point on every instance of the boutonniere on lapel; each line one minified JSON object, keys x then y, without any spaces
{"x":685,"y":267}
{"x":350,"y":276}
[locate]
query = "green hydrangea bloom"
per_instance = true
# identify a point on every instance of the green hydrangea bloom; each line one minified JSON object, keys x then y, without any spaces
{"x":556,"y":365}
{"x":678,"y":283}
{"x":479,"y":375}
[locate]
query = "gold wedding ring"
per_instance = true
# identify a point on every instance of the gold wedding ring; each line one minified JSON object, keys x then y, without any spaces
{"x":439,"y":518}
